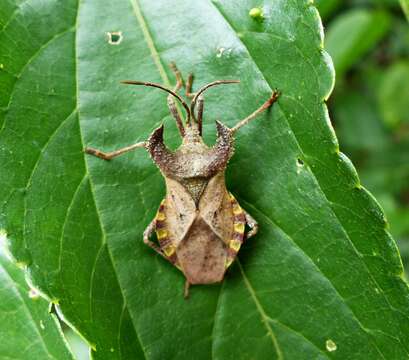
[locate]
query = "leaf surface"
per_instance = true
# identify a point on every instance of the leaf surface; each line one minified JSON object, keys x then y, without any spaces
{"x":322,"y":279}
{"x":27,"y":329}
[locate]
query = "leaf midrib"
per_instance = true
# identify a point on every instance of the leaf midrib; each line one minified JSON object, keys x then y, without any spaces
{"x":92,"y":184}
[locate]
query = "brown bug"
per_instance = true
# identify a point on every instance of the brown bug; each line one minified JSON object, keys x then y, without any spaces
{"x":200,"y":226}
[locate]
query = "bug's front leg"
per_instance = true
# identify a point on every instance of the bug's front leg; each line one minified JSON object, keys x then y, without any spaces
{"x":146,"y":235}
{"x":252,"y":223}
{"x":189,"y":83}
{"x":179,"y":80}
{"x":110,"y":155}
{"x":271,"y":100}
{"x":200,"y":105}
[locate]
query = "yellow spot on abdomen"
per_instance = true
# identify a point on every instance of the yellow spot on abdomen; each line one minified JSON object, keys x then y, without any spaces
{"x":239,"y":228}
{"x":161,"y":233}
{"x":229,"y":261}
{"x":237,"y":210}
{"x":169,"y":250}
{"x":235,"y":245}
{"x":160,"y":216}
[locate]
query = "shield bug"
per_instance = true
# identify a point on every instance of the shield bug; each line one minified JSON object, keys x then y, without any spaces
{"x":199,"y":225}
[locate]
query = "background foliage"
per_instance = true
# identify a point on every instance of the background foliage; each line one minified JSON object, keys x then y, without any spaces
{"x":369,"y":43}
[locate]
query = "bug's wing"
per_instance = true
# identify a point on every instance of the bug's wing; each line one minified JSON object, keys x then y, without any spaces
{"x":216,"y":208}
{"x":223,"y":214}
{"x":180,"y":211}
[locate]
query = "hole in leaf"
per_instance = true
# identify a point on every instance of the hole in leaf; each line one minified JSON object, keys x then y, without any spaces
{"x":330,"y":345}
{"x":300,"y":165}
{"x":114,"y":37}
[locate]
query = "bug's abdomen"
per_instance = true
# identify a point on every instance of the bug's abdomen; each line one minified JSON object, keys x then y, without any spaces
{"x":202,"y":254}
{"x":202,"y":241}
{"x":206,"y":251}
{"x":237,"y":235}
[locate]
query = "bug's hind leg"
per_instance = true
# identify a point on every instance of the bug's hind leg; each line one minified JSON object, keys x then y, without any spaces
{"x":186,"y":289}
{"x":165,"y":249}
{"x":252,"y":223}
{"x":147,"y":234}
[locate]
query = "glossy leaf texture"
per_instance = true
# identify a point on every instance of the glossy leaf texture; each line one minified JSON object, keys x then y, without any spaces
{"x":27,"y":329}
{"x":322,"y":279}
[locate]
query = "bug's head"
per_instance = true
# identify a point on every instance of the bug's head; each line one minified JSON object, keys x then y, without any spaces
{"x":194,"y":159}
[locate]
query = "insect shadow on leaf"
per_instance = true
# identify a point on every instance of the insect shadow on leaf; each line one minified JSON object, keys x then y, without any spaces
{"x":199,"y":225}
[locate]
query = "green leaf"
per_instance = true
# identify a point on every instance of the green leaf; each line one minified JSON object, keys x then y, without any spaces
{"x":393,"y":94}
{"x":359,"y":126}
{"x":323,"y":277}
{"x":387,"y":170}
{"x":405,"y":7}
{"x":77,"y":344}
{"x":352,"y":34}
{"x":327,"y":7}
{"x":27,"y":329}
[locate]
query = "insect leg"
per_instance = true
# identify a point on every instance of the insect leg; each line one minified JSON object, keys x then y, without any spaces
{"x":252,"y":223}
{"x":179,"y":79}
{"x":186,"y":289}
{"x":171,"y":102}
{"x":273,"y":98}
{"x":110,"y":155}
{"x":173,"y":110}
{"x":178,"y":76}
{"x":200,"y":104}
{"x":147,"y":234}
{"x":189,"y":82}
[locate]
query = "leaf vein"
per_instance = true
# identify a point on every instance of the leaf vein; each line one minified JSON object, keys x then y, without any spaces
{"x":260,"y":309}
{"x":18,"y":76}
{"x":149,"y":41}
{"x":316,"y":267}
